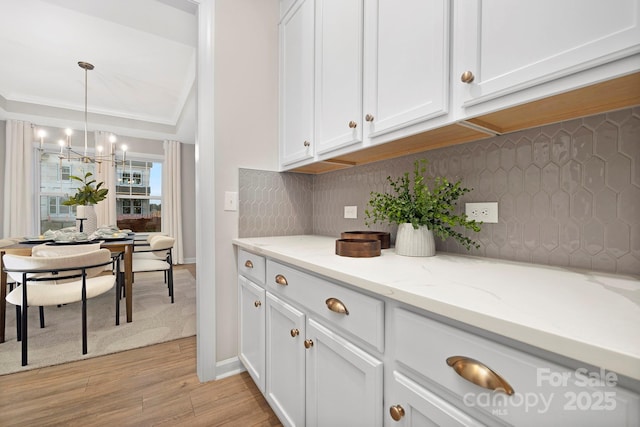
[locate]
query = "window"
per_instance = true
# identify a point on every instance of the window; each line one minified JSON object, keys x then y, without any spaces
{"x":139,"y":195}
{"x":65,"y":173}
{"x":55,"y":187}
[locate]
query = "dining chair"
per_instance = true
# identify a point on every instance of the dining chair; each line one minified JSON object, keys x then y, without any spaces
{"x":47,"y":250}
{"x":157,"y":257}
{"x":57,"y":280}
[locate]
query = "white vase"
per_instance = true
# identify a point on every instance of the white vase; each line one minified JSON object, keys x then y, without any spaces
{"x":412,"y":242}
{"x":90,"y":224}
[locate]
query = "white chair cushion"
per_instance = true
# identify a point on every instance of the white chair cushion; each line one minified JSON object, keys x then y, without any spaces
{"x":22,"y":263}
{"x":67,"y":293}
{"x":140,"y":265}
{"x":45,"y":250}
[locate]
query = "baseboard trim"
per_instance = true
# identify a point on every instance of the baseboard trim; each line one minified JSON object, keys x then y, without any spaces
{"x":229,"y":367}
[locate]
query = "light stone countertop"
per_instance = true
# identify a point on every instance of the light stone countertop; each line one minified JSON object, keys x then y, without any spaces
{"x":591,"y":317}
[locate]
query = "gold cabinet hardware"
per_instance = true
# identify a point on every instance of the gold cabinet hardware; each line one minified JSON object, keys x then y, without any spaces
{"x":308,"y":343}
{"x":248,"y":264}
{"x":352,"y":124}
{"x":397,"y":412}
{"x":467,"y":77}
{"x":479,"y":374}
{"x":334,"y":304}
{"x":368,"y":118}
{"x":307,"y":143}
{"x":257,"y":304}
{"x":281,"y":280}
{"x":295,"y":332}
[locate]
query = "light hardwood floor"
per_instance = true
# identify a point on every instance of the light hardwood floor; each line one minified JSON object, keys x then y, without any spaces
{"x":150,"y":386}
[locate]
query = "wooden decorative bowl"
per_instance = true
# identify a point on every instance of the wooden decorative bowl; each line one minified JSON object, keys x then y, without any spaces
{"x":358,"y":248}
{"x":383,"y":236}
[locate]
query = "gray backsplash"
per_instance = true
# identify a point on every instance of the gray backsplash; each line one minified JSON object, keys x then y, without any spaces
{"x":568,"y":194}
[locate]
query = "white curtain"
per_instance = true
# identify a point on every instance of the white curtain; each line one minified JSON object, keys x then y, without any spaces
{"x":19,"y":207}
{"x":105,"y":172}
{"x":172,"y":199}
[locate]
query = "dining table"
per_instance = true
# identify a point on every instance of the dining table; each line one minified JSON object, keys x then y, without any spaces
{"x":124,"y":246}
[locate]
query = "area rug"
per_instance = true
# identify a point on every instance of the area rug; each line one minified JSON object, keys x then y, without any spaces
{"x":155,"y":320}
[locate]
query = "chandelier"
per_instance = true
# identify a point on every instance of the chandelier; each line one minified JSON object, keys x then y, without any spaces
{"x":67,"y":152}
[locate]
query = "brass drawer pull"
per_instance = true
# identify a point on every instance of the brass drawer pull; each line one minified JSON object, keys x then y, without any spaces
{"x":397,"y":412}
{"x":308,"y":344}
{"x":295,"y":332}
{"x":257,"y":304}
{"x":306,"y":144}
{"x":248,"y":264}
{"x":353,"y":124}
{"x":479,"y":374}
{"x":368,"y":117}
{"x":334,"y":304}
{"x":281,"y":280}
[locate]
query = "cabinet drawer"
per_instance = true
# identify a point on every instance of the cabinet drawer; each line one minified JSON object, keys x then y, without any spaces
{"x":251,"y":266}
{"x":365,"y":318}
{"x":543,"y":393}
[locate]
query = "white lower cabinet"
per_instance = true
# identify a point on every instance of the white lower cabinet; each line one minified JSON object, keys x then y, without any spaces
{"x":321,"y":346}
{"x":285,"y":361}
{"x":501,"y":385}
{"x":252,"y":329}
{"x":344,"y":383}
{"x":411,"y":405}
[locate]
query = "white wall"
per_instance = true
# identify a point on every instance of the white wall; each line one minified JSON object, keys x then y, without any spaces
{"x":246,"y":132}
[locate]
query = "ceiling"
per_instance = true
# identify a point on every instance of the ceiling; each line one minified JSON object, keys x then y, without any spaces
{"x":143,"y":51}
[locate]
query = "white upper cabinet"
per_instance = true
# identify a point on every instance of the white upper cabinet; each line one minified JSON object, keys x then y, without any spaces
{"x":297,"y":83}
{"x":506,"y":46}
{"x":406,"y":63}
{"x":339,"y":45}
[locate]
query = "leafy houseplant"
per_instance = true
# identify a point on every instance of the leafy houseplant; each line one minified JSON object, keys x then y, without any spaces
{"x":87,"y":193}
{"x":420,"y":205}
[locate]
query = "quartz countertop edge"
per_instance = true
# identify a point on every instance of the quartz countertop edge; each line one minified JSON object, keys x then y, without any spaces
{"x":587,"y":316}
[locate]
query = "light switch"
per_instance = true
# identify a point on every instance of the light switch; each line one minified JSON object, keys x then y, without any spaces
{"x":231,"y":201}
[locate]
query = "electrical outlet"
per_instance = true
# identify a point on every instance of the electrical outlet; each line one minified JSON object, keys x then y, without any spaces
{"x":486,"y":212}
{"x":351,"y":212}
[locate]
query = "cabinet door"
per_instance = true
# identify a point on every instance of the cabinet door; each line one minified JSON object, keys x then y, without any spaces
{"x":339,"y":44}
{"x":344,"y":384}
{"x":407,"y":63}
{"x":410,"y":405}
{"x":285,"y":361}
{"x":509,"y":46}
{"x":252,"y":329}
{"x":296,"y":83}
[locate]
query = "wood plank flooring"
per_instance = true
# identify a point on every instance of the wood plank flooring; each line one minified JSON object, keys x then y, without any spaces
{"x":150,"y":386}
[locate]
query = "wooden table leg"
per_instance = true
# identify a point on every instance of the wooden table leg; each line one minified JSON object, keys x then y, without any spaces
{"x":3,"y":296}
{"x":128,"y":280}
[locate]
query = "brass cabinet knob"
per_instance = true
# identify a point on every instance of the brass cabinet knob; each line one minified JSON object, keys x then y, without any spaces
{"x":307,"y":143}
{"x":353,"y":124}
{"x":479,"y":374}
{"x":257,"y":304}
{"x":295,"y":332}
{"x":368,"y":118}
{"x":467,"y":77}
{"x":248,"y":264}
{"x":335,"y":305}
{"x":281,"y":280}
{"x":397,"y":412}
{"x":308,"y":343}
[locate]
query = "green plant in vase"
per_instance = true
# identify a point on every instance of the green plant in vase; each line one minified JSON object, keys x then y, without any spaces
{"x":415,"y":202}
{"x":89,"y":193}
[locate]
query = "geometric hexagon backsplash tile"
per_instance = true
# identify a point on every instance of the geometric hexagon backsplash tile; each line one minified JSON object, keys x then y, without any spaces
{"x":568,"y":194}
